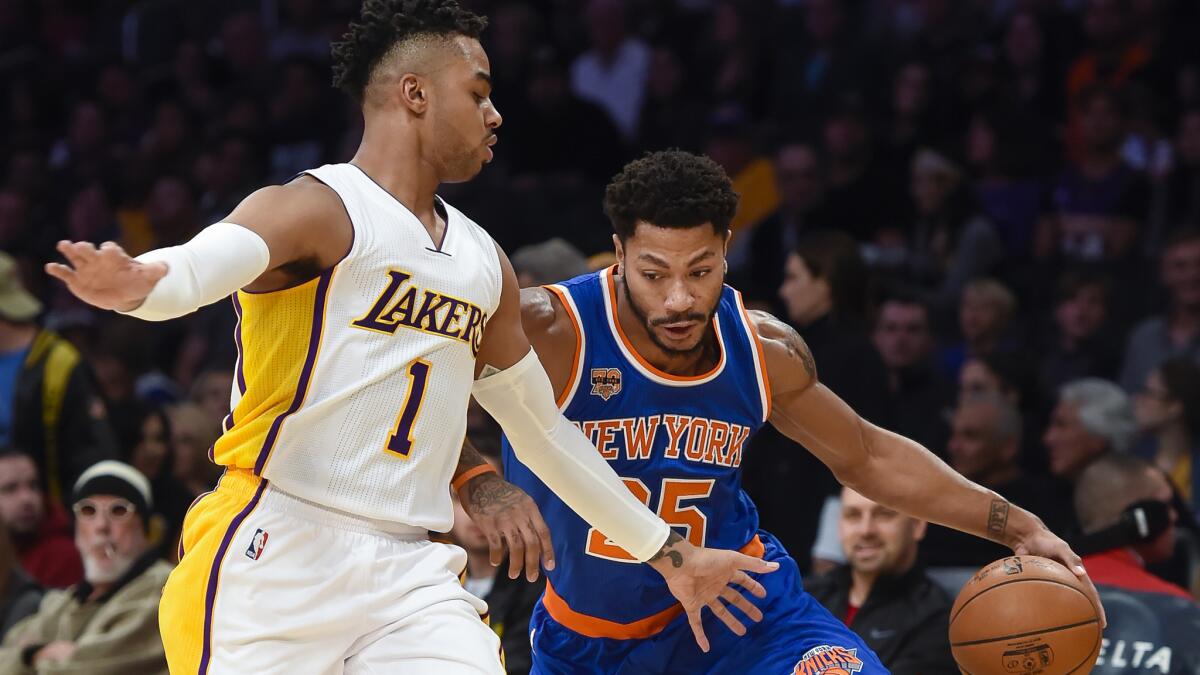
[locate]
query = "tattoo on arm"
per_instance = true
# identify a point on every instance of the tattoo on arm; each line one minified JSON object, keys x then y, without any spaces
{"x":489,"y":496}
{"x":468,"y":459}
{"x":666,"y":552}
{"x":798,"y":349}
{"x":997,"y":518}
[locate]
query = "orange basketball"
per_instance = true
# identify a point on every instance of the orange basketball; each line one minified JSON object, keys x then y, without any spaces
{"x":1024,"y":615}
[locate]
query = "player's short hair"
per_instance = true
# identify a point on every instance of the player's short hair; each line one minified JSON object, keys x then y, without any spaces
{"x":385,"y":24}
{"x":670,"y":188}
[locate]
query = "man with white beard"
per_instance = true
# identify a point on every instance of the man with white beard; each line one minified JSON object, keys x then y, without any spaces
{"x":108,"y":623}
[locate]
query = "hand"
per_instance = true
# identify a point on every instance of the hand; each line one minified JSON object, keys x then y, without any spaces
{"x":55,"y":652}
{"x":1046,"y":544}
{"x":697,"y":577}
{"x":506,"y":515}
{"x":106,"y":277}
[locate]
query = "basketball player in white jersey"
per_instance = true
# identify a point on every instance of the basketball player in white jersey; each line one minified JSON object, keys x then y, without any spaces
{"x":369,"y":311}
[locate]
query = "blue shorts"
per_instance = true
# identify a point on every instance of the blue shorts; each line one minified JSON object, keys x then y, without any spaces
{"x":796,"y":635}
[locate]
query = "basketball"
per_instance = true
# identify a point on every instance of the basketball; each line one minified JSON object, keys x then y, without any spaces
{"x":1024,"y":615}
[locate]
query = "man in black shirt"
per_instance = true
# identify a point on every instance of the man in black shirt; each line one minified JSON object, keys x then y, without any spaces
{"x":883,"y":594}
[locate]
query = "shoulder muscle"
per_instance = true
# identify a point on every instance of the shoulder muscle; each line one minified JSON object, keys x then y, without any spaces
{"x":790,"y":364}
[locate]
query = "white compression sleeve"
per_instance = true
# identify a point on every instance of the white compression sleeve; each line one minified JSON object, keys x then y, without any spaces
{"x":521,"y":399}
{"x":213,"y":265}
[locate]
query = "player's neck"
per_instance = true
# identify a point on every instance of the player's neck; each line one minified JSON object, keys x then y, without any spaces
{"x":695,"y":362}
{"x":396,"y":164}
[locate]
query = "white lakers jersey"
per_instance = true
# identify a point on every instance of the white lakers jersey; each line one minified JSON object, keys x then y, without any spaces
{"x":351,"y":389}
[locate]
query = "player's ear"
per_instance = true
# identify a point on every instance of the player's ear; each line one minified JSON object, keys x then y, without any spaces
{"x":620,"y":253}
{"x":413,"y":93}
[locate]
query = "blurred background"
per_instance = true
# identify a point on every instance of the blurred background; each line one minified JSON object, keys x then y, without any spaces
{"x":981,"y":214}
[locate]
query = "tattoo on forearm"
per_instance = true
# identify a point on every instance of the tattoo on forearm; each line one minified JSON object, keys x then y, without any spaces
{"x":998,"y":517}
{"x":666,"y":552}
{"x":469,"y":458}
{"x":491,"y":495}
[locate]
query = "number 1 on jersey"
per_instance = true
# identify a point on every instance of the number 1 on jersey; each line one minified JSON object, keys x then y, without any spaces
{"x":401,"y":441}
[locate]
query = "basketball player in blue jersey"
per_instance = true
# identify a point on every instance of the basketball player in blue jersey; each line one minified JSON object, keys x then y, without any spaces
{"x":369,"y":312}
{"x":663,"y":368}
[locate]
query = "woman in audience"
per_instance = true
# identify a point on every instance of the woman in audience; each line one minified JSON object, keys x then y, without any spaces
{"x":1168,"y":411}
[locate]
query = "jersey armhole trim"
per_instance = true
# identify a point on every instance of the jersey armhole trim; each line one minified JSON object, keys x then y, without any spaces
{"x":565,"y":397}
{"x":760,"y":361}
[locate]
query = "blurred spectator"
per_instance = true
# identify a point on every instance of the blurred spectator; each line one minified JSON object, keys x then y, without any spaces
{"x":986,"y":447}
{"x":549,"y":262}
{"x":301,"y":127}
{"x":1006,"y":151}
{"x":243,"y":46}
{"x":1111,"y":58}
{"x":48,"y":402}
{"x":1028,"y":69}
{"x":19,"y":595}
{"x":154,"y":457}
{"x":1093,"y":417}
{"x":860,"y":195}
{"x":816,"y":66}
{"x":212,"y":391}
{"x":1168,"y":411}
{"x":1102,"y":203}
{"x":510,"y":601}
{"x":109,"y":621}
{"x":1152,"y":624}
{"x":1183,"y":182}
{"x":825,"y":292}
{"x":40,"y":529}
{"x":668,"y":117}
{"x":757,"y":260}
{"x":303,"y":31}
{"x":985,"y":314}
{"x":193,"y":430}
{"x":949,"y":243}
{"x":730,"y":143}
{"x":883,"y":593}
{"x":1082,"y":342}
{"x":1176,"y":332}
{"x":1012,"y":376}
{"x":912,"y":122}
{"x":558,"y":136}
{"x":613,"y":72}
{"x":918,"y":392}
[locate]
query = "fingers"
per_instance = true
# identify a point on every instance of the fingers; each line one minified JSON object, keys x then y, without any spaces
{"x":533,"y":552}
{"x":722,"y":612}
{"x":543,"y":535}
{"x":516,"y":553}
{"x":747,"y":582}
{"x":733,"y":597}
{"x":61,"y":272}
{"x":752,"y":564}
{"x":697,"y":625}
{"x":495,"y":545}
{"x":79,"y":254}
{"x":1092,"y":593}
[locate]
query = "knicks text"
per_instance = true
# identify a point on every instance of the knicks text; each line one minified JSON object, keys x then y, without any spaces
{"x":695,"y":439}
{"x":406,"y":304}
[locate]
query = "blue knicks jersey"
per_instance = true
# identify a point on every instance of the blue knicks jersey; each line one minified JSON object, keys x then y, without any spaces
{"x":677,"y":442}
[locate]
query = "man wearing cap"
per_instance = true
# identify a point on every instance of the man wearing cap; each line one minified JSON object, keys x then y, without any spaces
{"x":49,"y":406}
{"x":107,"y":624}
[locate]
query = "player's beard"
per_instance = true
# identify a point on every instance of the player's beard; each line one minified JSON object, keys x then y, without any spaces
{"x":643,"y":316}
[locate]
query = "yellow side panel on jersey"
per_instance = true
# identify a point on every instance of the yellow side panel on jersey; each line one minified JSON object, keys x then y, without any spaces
{"x":186,"y":609}
{"x":279,"y":341}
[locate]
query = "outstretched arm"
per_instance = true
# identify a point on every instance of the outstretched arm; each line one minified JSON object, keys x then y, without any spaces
{"x":272,"y":228}
{"x":886,"y":467}
{"x":514,"y":389}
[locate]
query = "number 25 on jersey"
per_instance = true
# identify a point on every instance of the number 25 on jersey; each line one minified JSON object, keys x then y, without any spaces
{"x":674,"y":491}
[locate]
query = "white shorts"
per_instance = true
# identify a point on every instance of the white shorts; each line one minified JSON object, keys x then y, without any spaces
{"x":301,"y":589}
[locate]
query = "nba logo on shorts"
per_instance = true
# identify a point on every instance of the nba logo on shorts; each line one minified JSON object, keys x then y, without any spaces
{"x":606,"y":382}
{"x":257,"y":545}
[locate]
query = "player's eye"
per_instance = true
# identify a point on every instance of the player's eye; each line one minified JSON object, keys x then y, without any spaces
{"x":700,"y":273}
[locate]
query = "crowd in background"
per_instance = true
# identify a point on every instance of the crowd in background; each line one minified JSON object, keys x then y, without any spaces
{"x":982,"y":215}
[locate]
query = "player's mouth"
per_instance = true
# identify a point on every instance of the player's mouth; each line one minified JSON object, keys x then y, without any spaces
{"x":488,"y":147}
{"x":679,"y":331}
